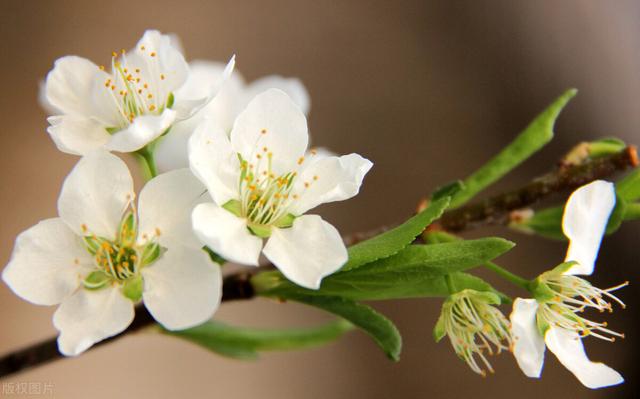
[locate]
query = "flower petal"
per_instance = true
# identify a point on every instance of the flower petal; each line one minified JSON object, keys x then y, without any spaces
{"x":226,"y":234}
{"x":214,"y":162}
{"x":528,"y":345}
{"x":95,"y":194}
{"x":307,"y":251}
{"x":187,"y":103}
{"x":568,"y":348}
{"x":292,"y":86}
{"x":182,"y":288}
{"x":76,"y":135}
{"x":72,"y":87}
{"x":47,"y":264}
{"x":584,"y":222}
{"x":274,"y":121}
{"x":155,"y":54}
{"x":165,"y":207}
{"x":327,"y":180}
{"x":88,"y":317}
{"x":142,"y":131}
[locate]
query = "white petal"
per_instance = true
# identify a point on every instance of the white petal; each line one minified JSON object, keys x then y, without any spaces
{"x":568,"y":348}
{"x":165,"y":207}
{"x":292,"y":86}
{"x":95,"y":194}
{"x":183,"y":288}
{"x":47,"y":264}
{"x":329,"y":179}
{"x":88,"y":317}
{"x":307,"y":251}
{"x":171,"y":152}
{"x":71,"y":86}
{"x":528,"y":345}
{"x":584,"y":222}
{"x":214,"y":162}
{"x":189,"y":102}
{"x":48,"y":108}
{"x":76,"y":134}
{"x":167,"y":60}
{"x":141,"y":132}
{"x":226,"y":234}
{"x":274,"y":121}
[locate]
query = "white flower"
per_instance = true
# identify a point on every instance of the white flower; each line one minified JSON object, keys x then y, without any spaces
{"x":127,"y":108}
{"x":553,"y":318}
{"x":100,"y":257}
{"x":475,"y":327}
{"x":171,"y":151}
{"x":262,"y":184}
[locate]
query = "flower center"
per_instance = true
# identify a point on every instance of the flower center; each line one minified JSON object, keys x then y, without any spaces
{"x":573,"y":295}
{"x":119,"y":261}
{"x":137,"y":89}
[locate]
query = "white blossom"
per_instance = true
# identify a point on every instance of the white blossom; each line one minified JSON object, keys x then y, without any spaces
{"x":128,"y":107}
{"x":262,"y":184}
{"x":233,"y":97}
{"x":101,"y":256}
{"x":554,"y":318}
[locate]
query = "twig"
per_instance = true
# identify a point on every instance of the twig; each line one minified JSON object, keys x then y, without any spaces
{"x":238,"y":286}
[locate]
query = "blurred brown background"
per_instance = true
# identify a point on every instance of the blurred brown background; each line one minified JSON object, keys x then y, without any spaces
{"x":426,"y":89}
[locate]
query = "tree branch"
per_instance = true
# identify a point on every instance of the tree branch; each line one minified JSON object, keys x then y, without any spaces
{"x":238,"y":286}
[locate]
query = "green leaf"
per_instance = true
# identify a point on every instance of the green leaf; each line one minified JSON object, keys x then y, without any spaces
{"x":245,"y":343}
{"x":629,"y":187}
{"x":606,"y":146}
{"x":417,"y":271}
{"x":533,"y":138}
{"x":632,"y":212}
{"x":617,"y":216}
{"x":381,"y":329}
{"x":394,"y":240}
{"x":448,"y":190}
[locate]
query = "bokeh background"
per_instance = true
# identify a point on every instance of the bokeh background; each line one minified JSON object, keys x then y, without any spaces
{"x":426,"y":89}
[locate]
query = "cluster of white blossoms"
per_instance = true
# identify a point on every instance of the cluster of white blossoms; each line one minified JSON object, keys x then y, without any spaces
{"x":553,"y":318}
{"x":245,"y":175}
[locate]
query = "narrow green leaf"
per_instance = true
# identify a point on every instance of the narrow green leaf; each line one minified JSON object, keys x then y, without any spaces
{"x":394,"y":240}
{"x":533,"y":138}
{"x":381,"y":329}
{"x":246,"y":343}
{"x":632,"y":212}
{"x":448,"y":190}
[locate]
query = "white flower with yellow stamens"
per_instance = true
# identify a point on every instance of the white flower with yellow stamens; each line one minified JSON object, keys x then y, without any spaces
{"x":127,"y":108}
{"x":553,"y":317}
{"x":475,"y":327}
{"x":262,"y":184}
{"x":100,"y":256}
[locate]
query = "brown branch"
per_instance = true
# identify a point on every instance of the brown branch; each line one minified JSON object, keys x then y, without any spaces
{"x":238,"y":286}
{"x":495,"y":209}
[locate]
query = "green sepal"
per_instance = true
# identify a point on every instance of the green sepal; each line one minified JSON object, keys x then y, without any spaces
{"x":96,"y":280}
{"x":112,"y":130}
{"x":540,"y":290}
{"x":234,"y":206}
{"x":170,"y":100}
{"x":542,"y":325}
{"x":285,"y":221}
{"x":439,"y":331}
{"x":259,"y":230}
{"x":150,"y":253}
{"x":214,"y":256}
{"x":127,"y":231}
{"x":93,"y":243}
{"x":133,"y":287}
